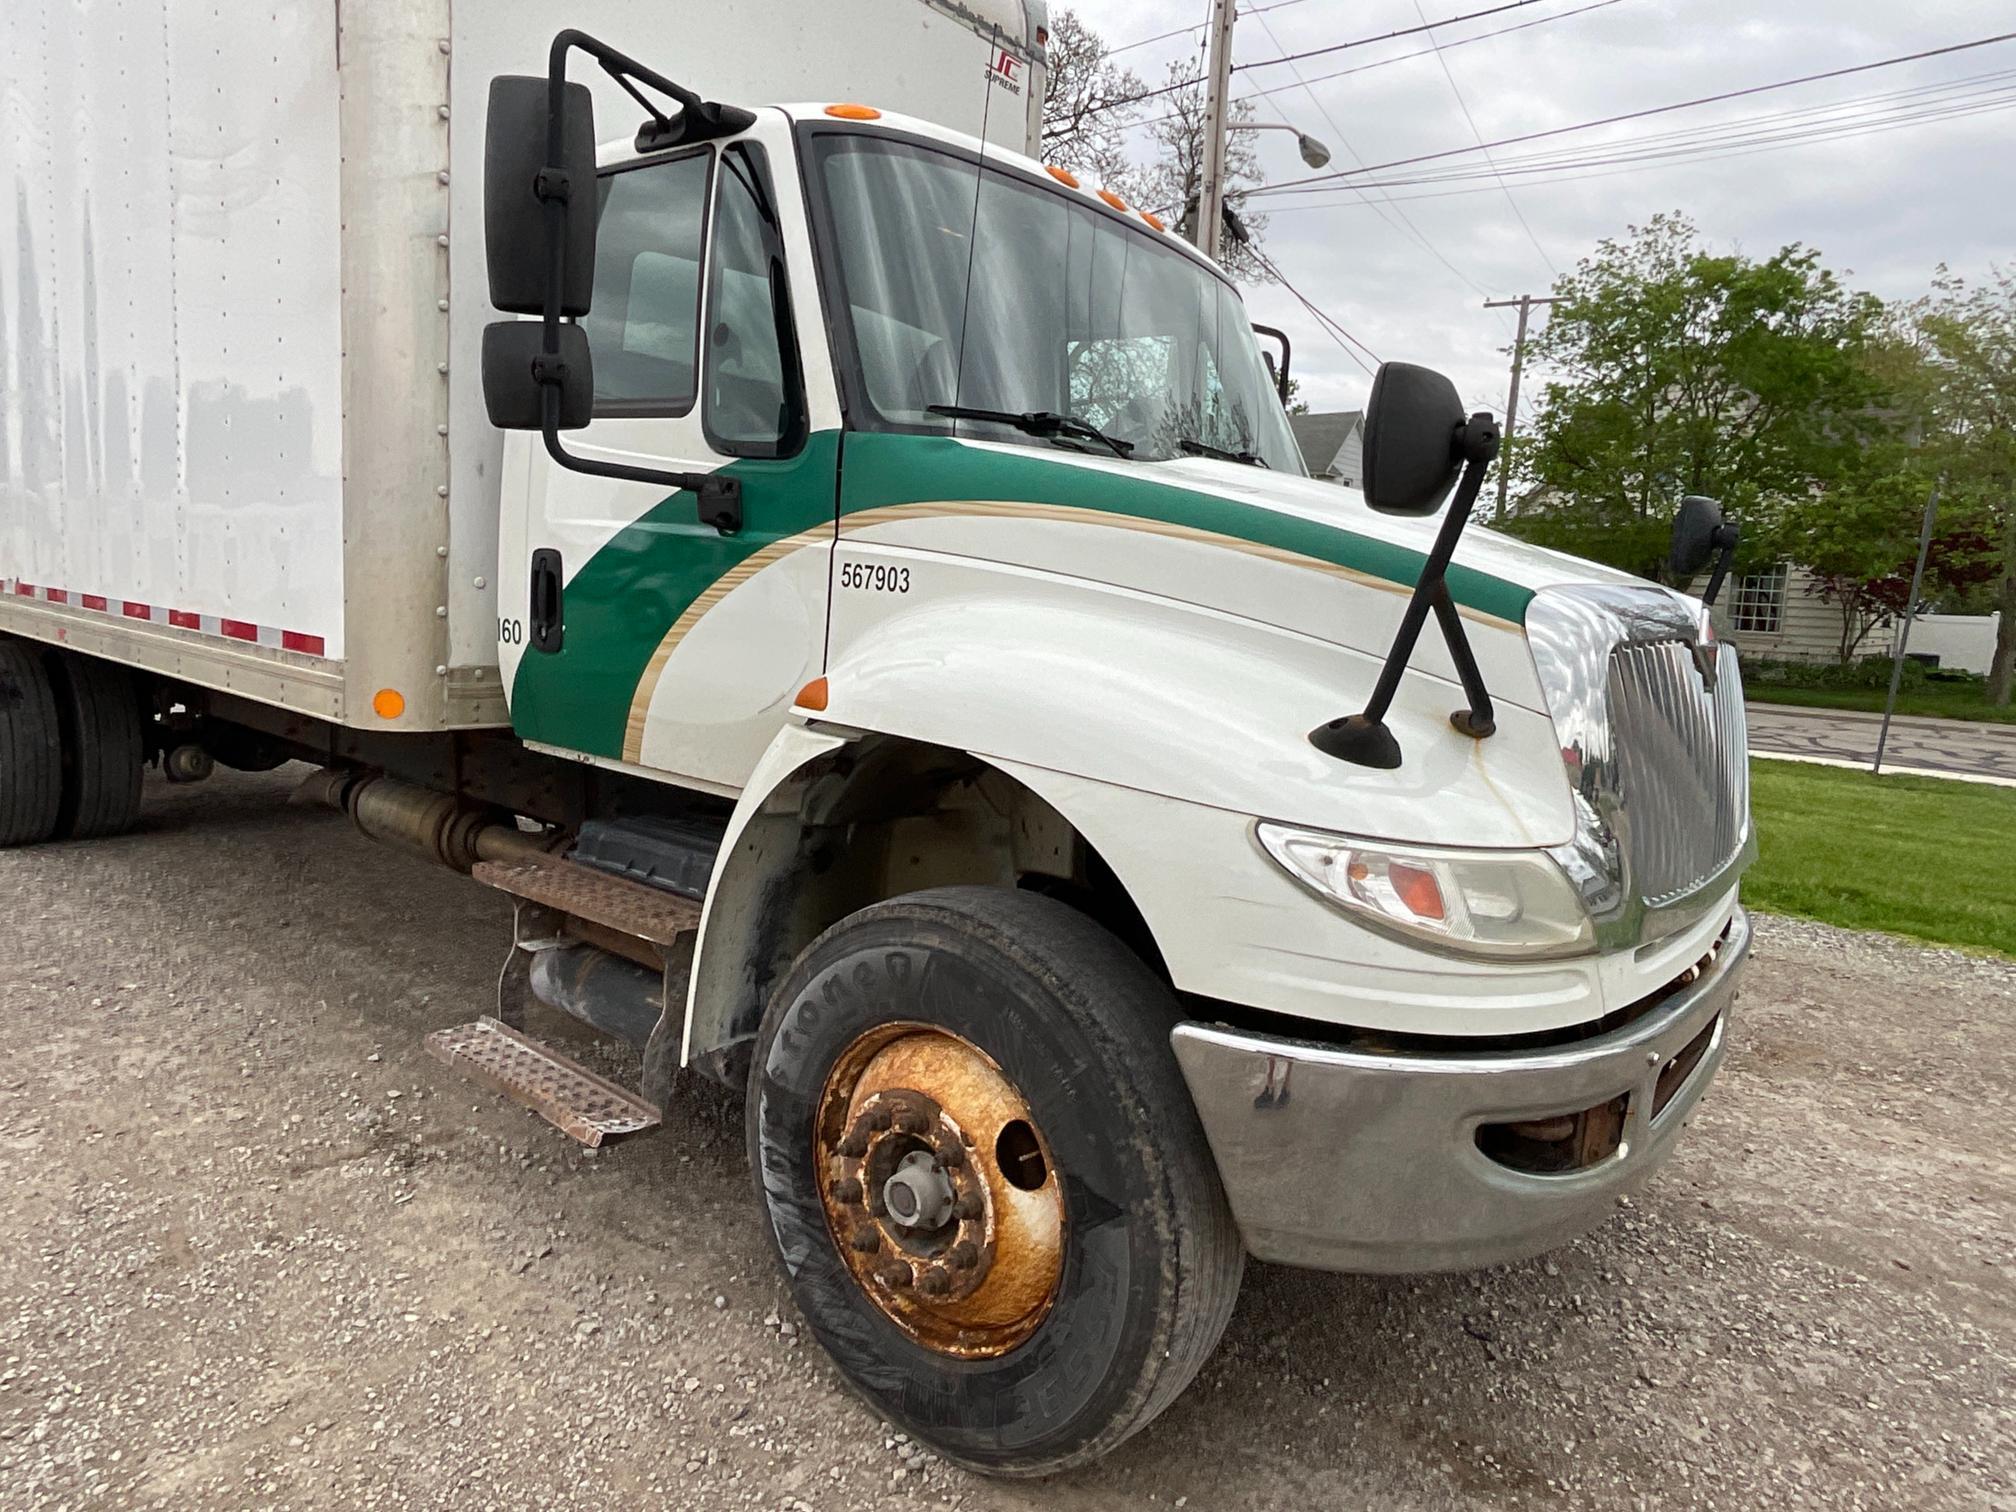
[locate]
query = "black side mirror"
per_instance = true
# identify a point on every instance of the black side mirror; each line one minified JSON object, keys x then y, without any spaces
{"x":1278,"y":371}
{"x":517,"y":370}
{"x":518,"y":179}
{"x":1412,"y":426}
{"x":1695,"y":523}
{"x":1701,"y":535}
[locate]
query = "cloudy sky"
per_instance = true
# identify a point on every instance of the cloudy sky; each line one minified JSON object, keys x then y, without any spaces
{"x":1885,"y":207}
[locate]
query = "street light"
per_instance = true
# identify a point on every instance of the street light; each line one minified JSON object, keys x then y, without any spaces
{"x":1314,"y":153}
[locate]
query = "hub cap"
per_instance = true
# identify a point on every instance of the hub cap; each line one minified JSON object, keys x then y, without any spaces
{"x":939,"y":1190}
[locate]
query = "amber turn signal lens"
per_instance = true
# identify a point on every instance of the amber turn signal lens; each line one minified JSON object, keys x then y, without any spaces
{"x":812,"y":696}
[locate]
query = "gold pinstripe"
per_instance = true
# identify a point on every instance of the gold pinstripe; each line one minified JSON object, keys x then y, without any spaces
{"x":776,"y":551}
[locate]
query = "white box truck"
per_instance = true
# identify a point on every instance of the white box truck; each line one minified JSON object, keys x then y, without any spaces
{"x":851,"y":587}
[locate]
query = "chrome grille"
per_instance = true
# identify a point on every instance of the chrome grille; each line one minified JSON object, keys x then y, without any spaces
{"x":1683,"y":765}
{"x":1655,"y":754}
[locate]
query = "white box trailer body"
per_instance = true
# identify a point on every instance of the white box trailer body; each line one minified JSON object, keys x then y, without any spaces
{"x":242,"y":299}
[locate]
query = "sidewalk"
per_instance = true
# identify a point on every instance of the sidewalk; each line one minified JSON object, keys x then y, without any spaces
{"x":1847,"y":737}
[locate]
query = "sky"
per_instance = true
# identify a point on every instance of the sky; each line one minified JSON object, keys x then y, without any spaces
{"x":1405,"y":270}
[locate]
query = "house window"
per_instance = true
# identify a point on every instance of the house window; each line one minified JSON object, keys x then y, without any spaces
{"x":1759,"y":606}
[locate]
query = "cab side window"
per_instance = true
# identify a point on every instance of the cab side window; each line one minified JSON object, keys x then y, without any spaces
{"x":754,"y":405}
{"x":644,"y":326}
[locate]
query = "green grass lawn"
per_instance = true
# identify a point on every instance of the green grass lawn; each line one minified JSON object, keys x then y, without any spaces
{"x":1934,"y":700}
{"x":1914,"y":856}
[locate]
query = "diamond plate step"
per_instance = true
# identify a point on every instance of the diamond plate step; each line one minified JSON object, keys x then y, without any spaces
{"x":647,"y":913}
{"x":566,"y":1094}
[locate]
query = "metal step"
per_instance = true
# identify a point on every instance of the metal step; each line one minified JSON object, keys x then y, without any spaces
{"x":646,"y":913}
{"x":565,"y":1093}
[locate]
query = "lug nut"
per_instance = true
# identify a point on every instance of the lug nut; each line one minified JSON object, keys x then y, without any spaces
{"x":847,"y":1190}
{"x":879,"y":1119}
{"x":866,"y":1240}
{"x":894,"y":1274}
{"x":963,"y":1255}
{"x":910,"y":1121}
{"x":934,"y":1282}
{"x":968,"y":1205}
{"x":951,"y":1154}
{"x":854,"y":1144}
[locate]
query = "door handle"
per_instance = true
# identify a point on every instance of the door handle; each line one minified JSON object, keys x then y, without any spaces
{"x":546,"y":624}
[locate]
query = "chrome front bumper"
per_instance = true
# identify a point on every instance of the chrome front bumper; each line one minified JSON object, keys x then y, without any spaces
{"x":1358,"y":1161}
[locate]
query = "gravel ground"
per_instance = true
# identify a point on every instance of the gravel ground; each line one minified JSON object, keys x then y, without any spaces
{"x":258,"y":1249}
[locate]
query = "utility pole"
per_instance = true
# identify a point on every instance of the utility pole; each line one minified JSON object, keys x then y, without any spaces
{"x":1525,"y":303}
{"x":1904,"y":630}
{"x":1210,"y":228}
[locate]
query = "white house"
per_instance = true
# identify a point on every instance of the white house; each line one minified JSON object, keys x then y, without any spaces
{"x":1332,"y":445}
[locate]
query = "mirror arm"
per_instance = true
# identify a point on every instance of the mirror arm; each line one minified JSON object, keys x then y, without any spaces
{"x":1280,"y":373}
{"x":719,"y":495}
{"x":1725,"y":539}
{"x":1363,"y":738}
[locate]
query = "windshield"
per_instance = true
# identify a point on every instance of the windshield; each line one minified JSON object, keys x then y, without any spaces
{"x":1071,"y":311}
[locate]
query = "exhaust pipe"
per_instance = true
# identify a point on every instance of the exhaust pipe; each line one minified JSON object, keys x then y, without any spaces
{"x":435,"y":825}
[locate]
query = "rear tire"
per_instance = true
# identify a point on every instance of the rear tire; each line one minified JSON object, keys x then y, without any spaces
{"x":1141,"y":1274}
{"x":31,"y":747}
{"x":104,"y":750}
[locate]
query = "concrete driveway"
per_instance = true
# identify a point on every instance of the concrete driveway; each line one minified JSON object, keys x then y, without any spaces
{"x":1942,"y":747}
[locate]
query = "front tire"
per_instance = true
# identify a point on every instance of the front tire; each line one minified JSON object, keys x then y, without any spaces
{"x":1056,"y":1259}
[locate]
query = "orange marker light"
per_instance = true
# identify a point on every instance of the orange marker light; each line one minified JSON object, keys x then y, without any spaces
{"x":388,"y":703}
{"x":1063,"y":176}
{"x":1417,"y":889}
{"x":1153,"y":219}
{"x":1112,"y":199}
{"x":812,"y":696}
{"x":854,"y":112}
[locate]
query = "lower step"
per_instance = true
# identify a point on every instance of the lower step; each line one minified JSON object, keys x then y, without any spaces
{"x":566,"y":1094}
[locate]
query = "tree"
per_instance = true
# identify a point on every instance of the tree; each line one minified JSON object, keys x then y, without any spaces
{"x":1085,"y":102}
{"x":1169,"y":182}
{"x":1969,"y":341}
{"x":1682,"y":370}
{"x":1859,"y":540}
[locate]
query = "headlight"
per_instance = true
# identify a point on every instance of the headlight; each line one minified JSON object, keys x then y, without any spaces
{"x":1485,"y":903}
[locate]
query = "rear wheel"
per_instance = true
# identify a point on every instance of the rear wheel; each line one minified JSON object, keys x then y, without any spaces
{"x":31,"y":747}
{"x":104,"y":747}
{"x":985,"y":1178}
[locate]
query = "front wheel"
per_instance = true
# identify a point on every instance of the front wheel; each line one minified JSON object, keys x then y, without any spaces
{"x":985,"y":1179}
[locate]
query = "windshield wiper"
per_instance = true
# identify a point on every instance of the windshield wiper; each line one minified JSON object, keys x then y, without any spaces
{"x":1036,"y":423}
{"x":1206,"y":449}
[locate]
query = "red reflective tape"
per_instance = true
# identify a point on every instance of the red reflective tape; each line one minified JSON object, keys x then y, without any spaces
{"x":294,"y":640}
{"x":239,"y":630}
{"x":182,"y":619}
{"x":58,"y":595}
{"x":94,"y":601}
{"x":135,"y":611}
{"x":26,"y":590}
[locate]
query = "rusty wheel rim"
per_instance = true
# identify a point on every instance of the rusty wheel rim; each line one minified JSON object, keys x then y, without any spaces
{"x":939,"y":1190}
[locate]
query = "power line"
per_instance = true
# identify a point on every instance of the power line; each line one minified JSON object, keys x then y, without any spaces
{"x":1723,"y":139}
{"x":1345,"y":142}
{"x":1254,"y":10}
{"x":1464,"y":105}
{"x":1405,"y":31}
{"x":1303,"y":81}
{"x":1330,"y":328}
{"x":1636,"y":115}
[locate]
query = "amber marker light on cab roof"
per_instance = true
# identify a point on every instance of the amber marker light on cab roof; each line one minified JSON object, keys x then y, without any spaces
{"x":812,"y":696}
{"x":1112,"y":199}
{"x":1153,"y":219}
{"x":1063,"y":175}
{"x":854,"y":112}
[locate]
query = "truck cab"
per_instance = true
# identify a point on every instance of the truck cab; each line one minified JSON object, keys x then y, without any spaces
{"x":938,"y":509}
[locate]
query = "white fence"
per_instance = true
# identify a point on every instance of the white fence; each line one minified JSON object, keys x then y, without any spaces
{"x":1962,"y":642}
